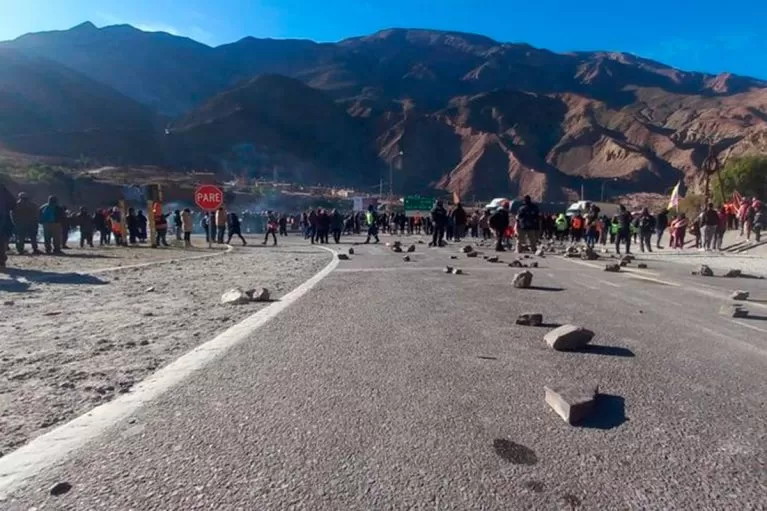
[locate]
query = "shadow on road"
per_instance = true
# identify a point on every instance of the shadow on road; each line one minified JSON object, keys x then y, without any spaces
{"x":609,"y":413}
{"x":25,"y":276}
{"x":545,"y":288}
{"x":756,"y":318}
{"x":613,"y":351}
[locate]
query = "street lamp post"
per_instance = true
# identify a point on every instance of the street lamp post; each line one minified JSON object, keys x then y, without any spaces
{"x":602,"y":196}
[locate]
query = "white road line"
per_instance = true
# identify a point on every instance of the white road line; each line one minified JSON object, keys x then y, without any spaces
{"x":606,"y":282}
{"x":229,"y":248}
{"x":659,"y":281}
{"x":51,"y":448}
{"x":595,"y":288}
{"x":752,"y":327}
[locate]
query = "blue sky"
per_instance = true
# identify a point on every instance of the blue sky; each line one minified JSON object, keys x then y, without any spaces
{"x":701,"y":35}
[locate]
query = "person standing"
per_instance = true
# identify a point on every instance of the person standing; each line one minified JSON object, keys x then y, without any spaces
{"x":131,"y":223}
{"x":26,"y":217}
{"x":7,"y":203}
{"x":561,"y":226}
{"x":624,"y":230}
{"x":439,"y":219}
{"x":528,"y":225}
{"x":311,"y":220}
{"x":661,"y":224}
{"x":323,"y":226}
{"x":679,"y":230}
{"x":220,"y":225}
{"x":710,"y":223}
{"x":271,"y":228}
{"x":283,"y":222}
{"x":160,"y":225}
{"x":336,"y":225}
{"x":187,"y":225}
{"x":52,"y":231}
{"x":499,"y":222}
{"x":235,"y":229}
{"x":758,"y":221}
{"x":85,"y":222}
{"x":371,"y":218}
{"x":178,"y":224}
{"x":142,"y":226}
{"x":721,"y":228}
{"x":460,"y":219}
{"x":206,"y":227}
{"x":646,"y":225}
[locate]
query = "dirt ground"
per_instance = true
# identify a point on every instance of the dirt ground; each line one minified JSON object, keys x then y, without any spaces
{"x":77,"y":330}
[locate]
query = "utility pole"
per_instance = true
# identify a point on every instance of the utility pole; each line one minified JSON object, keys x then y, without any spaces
{"x":391,"y":178}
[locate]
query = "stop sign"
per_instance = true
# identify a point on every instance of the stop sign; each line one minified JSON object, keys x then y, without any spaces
{"x":208,"y":197}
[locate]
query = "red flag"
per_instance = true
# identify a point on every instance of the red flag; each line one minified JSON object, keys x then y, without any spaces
{"x":456,"y":198}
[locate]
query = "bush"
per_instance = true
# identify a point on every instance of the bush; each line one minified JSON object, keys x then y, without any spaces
{"x":747,"y":176}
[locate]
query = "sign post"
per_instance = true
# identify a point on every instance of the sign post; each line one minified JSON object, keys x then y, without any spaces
{"x":418,"y":204}
{"x":153,"y":195}
{"x":209,"y":198}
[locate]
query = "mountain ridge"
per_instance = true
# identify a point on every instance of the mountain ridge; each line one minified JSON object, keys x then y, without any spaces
{"x":472,"y":115}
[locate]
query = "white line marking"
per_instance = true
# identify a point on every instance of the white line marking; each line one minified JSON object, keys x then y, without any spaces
{"x":659,"y":281}
{"x":229,"y":248}
{"x":52,"y":447}
{"x":595,"y":288}
{"x":610,"y":283}
{"x":752,"y":327}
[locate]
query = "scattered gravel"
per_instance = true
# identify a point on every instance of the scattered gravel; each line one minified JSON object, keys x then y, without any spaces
{"x":70,"y":341}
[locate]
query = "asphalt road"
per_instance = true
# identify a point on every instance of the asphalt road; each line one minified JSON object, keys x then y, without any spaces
{"x":392,"y":385}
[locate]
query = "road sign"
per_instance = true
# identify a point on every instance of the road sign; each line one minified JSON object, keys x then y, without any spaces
{"x":417,"y":203}
{"x":208,"y":197}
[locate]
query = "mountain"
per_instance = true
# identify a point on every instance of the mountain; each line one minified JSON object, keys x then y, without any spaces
{"x":278,"y":123}
{"x":446,"y":110}
{"x":49,"y":109}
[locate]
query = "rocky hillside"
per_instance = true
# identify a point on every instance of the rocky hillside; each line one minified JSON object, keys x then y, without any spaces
{"x":445,"y":110}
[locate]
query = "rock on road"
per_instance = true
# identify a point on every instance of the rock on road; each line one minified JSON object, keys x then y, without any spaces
{"x":393,"y":385}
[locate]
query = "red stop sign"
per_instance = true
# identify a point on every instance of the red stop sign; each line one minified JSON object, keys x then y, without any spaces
{"x":208,"y":197}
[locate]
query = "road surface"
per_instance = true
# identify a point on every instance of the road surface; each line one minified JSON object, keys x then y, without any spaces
{"x":391,"y":385}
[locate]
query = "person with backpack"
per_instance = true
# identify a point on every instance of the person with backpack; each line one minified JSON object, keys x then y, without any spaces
{"x":624,"y":230}
{"x":235,"y":228}
{"x":439,"y":218}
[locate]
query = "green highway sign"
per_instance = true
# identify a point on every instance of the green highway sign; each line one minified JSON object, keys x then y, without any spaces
{"x":416,"y":203}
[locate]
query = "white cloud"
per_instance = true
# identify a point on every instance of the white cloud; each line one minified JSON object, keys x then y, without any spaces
{"x":195,"y":32}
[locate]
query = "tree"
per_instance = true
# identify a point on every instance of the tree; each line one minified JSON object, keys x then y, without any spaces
{"x":746,"y":175}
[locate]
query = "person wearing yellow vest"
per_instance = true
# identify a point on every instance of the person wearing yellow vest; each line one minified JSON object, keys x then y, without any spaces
{"x":371,"y":219}
{"x":561,"y":224}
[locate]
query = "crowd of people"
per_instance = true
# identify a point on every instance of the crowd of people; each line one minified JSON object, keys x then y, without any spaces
{"x":22,"y":221}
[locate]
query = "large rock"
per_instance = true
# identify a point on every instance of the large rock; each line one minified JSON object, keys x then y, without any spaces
{"x":568,"y":338}
{"x":406,"y":259}
{"x":530,"y":319}
{"x":351,"y":251}
{"x":642,"y":266}
{"x":740,"y":295}
{"x":258,"y":295}
{"x":523,"y":280}
{"x":343,"y":257}
{"x":705,"y":271}
{"x":733,"y":311}
{"x":397,"y":249}
{"x":614,"y":267}
{"x":589,"y":255}
{"x":516,"y":263}
{"x":731,"y":274}
{"x":492,"y":259}
{"x":467,"y":249}
{"x":457,"y":271}
{"x":471,"y":254}
{"x":448,"y":269}
{"x":235,"y":296}
{"x":411,"y":248}
{"x":540,"y":252}
{"x":573,"y":403}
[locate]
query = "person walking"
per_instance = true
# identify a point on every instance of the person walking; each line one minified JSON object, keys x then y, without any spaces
{"x":679,"y":230}
{"x":439,"y":220}
{"x":178,"y":224}
{"x":758,"y":222}
{"x":235,"y":228}
{"x":528,"y":225}
{"x":187,"y":225}
{"x":52,"y":230}
{"x":26,"y":219}
{"x":624,"y":230}
{"x":160,"y":225}
{"x":371,"y":219}
{"x":142,"y":221}
{"x":646,"y":226}
{"x":323,"y":226}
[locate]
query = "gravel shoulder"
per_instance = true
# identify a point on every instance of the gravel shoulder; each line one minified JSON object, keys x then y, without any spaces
{"x":72,"y":340}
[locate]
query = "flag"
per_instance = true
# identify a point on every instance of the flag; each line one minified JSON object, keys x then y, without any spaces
{"x":674,"y":202}
{"x":737,"y":200}
{"x":456,"y":198}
